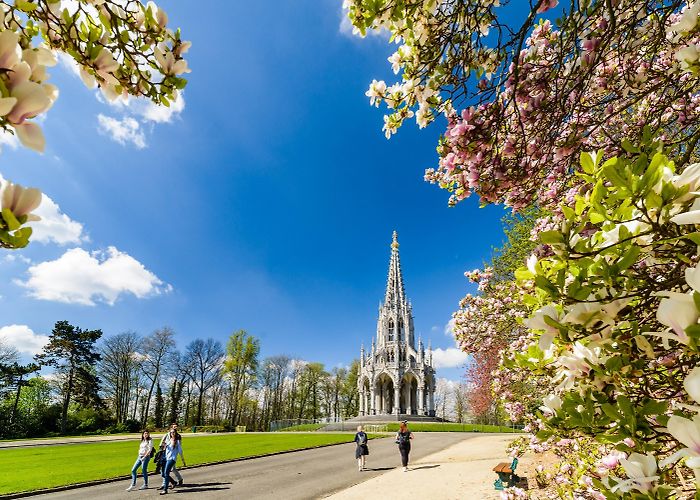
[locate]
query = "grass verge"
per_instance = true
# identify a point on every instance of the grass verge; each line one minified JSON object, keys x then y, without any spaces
{"x":452,"y":427}
{"x":39,"y":467}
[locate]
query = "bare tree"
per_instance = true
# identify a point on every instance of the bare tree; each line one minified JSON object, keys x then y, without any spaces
{"x":119,"y":368}
{"x":158,"y":349}
{"x":205,"y":357}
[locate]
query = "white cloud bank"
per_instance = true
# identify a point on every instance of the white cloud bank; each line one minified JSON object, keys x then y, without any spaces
{"x":81,"y":277}
{"x":22,"y":338}
{"x":54,"y":226}
{"x":451,"y":357}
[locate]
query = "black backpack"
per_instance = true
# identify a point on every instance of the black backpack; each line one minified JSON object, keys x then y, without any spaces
{"x":361,"y":438}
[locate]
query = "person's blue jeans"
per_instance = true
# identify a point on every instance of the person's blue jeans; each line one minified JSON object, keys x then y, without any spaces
{"x":143,"y":463}
{"x":169,"y":464}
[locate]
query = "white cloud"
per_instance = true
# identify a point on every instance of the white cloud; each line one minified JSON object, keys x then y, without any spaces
{"x":161,"y":114}
{"x":127,"y":130}
{"x":450,"y":327}
{"x":54,"y":225}
{"x":79,"y":277}
{"x":22,"y":338}
{"x":8,"y":139}
{"x":452,"y":357}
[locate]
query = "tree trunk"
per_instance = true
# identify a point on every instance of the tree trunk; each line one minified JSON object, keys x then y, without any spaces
{"x":66,"y":399}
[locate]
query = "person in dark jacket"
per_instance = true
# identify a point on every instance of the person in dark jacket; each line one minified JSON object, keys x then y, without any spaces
{"x":403,"y":439}
{"x":362,"y":450}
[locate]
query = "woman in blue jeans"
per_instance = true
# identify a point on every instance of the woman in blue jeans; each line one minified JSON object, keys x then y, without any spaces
{"x":142,"y":461}
{"x":172,"y":450}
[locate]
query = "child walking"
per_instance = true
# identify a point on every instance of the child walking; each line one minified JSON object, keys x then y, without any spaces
{"x":362,"y":450}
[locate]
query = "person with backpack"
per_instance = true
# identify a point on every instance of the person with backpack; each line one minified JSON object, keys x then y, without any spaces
{"x":362,"y":450}
{"x":403,"y":439}
{"x":172,"y":450}
{"x":163,"y":443}
{"x":145,"y":454}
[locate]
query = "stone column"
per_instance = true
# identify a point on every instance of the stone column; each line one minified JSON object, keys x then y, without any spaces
{"x":397,"y":400}
{"x":431,"y":401}
{"x":362,"y":402}
{"x":373,"y":402}
{"x":421,"y":409}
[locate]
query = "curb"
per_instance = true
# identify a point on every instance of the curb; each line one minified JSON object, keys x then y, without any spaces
{"x":97,"y":482}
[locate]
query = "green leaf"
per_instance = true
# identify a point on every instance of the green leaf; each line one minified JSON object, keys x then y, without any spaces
{"x":12,"y":222}
{"x":551,"y":237}
{"x":587,"y":162}
{"x":629,"y":147}
{"x":629,"y":258}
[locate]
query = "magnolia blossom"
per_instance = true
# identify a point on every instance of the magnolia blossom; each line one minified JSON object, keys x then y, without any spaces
{"x":688,"y":19}
{"x":21,"y":201}
{"x":641,"y":470}
{"x":678,"y":312}
{"x":551,"y":404}
{"x":537,"y":322}
{"x":692,"y":216}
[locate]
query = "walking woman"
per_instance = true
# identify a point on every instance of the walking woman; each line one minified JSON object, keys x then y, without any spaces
{"x":403,"y":439}
{"x":144,"y":457}
{"x":362,"y":450}
{"x":172,"y":450}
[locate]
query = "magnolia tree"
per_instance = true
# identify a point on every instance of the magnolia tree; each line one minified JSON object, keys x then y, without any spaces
{"x":608,"y":304}
{"x":523,"y":99}
{"x":121,"y":46}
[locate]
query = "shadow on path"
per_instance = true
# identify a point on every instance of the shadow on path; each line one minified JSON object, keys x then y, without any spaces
{"x":199,"y":487}
{"x":424,"y":467}
{"x":373,"y":469}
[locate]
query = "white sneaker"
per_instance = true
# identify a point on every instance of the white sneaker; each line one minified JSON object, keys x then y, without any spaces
{"x":144,"y":487}
{"x":405,"y":469}
{"x":131,"y":487}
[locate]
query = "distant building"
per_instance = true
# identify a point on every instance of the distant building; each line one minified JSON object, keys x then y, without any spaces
{"x":395,"y":377}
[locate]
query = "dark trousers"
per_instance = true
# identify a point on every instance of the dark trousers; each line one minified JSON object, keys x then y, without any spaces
{"x":404,"y":455}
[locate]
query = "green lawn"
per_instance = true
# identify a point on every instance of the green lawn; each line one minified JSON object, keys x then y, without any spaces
{"x":38,"y":467}
{"x":452,"y":427}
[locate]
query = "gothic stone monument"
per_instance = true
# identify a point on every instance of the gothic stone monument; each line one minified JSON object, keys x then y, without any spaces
{"x":395,"y":377}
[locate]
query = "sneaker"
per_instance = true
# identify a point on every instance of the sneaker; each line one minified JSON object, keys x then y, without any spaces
{"x":144,"y":487}
{"x":405,"y":469}
{"x":161,"y":487}
{"x":131,"y":487}
{"x":163,"y":492}
{"x":179,"y":483}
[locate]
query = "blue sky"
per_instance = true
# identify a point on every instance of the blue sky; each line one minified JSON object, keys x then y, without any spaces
{"x":265,"y":201}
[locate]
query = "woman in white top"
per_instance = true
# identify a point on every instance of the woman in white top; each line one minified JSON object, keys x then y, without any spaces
{"x":142,"y":461}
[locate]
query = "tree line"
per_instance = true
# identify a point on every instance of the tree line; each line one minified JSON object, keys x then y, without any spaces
{"x":128,"y":381}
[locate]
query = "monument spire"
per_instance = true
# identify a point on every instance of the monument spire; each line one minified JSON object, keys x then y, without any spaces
{"x":394,"y":284}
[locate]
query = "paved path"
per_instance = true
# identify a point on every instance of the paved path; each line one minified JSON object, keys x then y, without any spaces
{"x":305,"y":474}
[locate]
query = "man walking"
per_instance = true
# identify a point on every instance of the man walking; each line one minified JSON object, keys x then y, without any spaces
{"x":163,"y":443}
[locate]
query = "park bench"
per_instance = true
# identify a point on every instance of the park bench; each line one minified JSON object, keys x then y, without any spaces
{"x":506,"y":474}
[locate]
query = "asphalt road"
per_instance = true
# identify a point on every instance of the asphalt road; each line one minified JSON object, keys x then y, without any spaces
{"x":299,"y":475}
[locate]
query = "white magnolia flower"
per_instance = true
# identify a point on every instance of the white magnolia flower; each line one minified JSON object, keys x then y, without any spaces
{"x":692,"y":384}
{"x":688,"y":19}
{"x":21,"y":201}
{"x":537,"y":322}
{"x":531,"y":263}
{"x":688,"y":55}
{"x":169,"y":65}
{"x":641,"y":470}
{"x":689,"y":177}
{"x":692,"y":216}
{"x":10,"y":51}
{"x":677,"y":311}
{"x":551,"y":404}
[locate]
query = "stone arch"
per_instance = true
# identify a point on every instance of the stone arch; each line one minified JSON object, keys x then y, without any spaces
{"x":384,"y":385}
{"x":409,"y":393}
{"x":364,"y":386}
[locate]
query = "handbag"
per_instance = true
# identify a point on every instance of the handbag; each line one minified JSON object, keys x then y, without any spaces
{"x":153,"y":451}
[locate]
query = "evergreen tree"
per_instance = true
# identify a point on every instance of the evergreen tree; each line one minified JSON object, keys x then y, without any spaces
{"x":158,"y":412}
{"x":72,"y":350}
